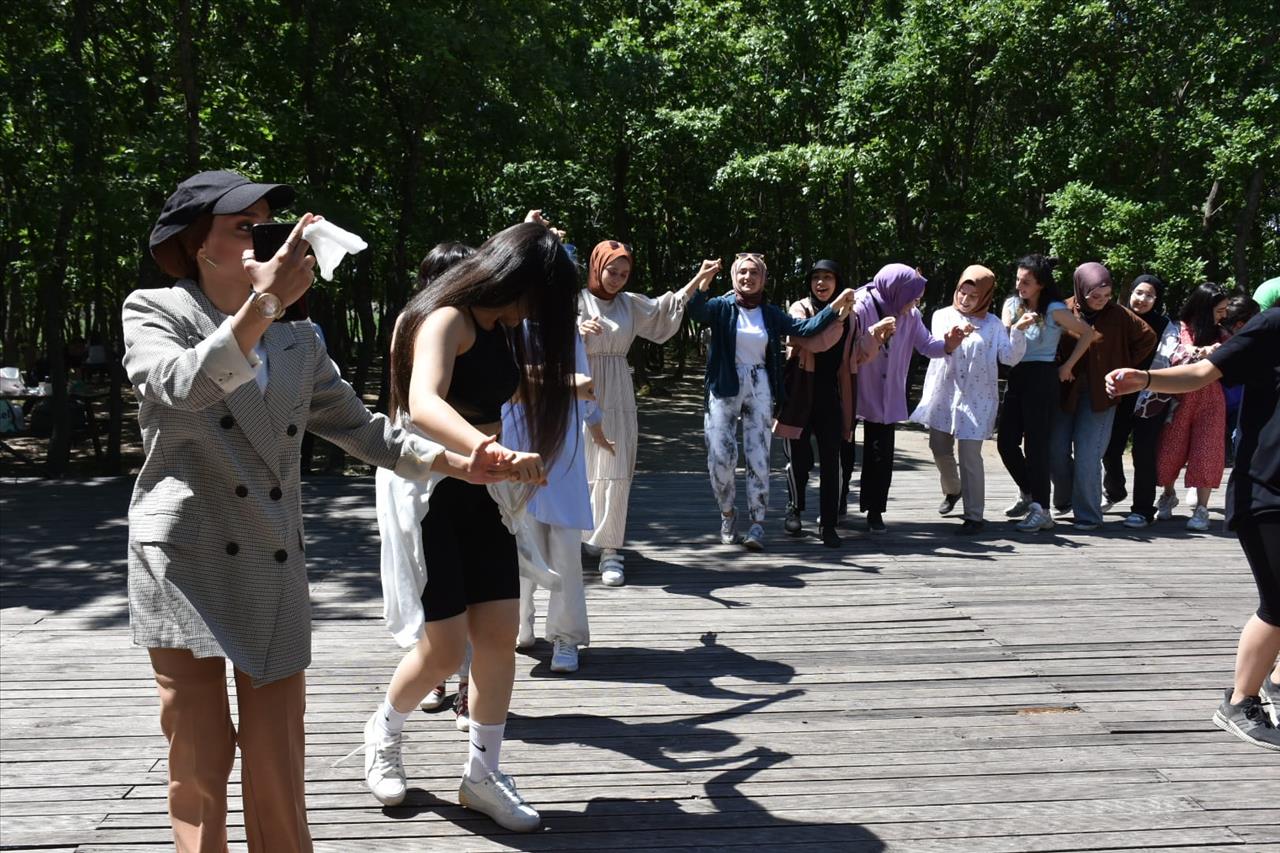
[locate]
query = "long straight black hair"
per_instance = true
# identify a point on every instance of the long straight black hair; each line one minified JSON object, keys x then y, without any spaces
{"x":523,"y":264}
{"x":1197,"y":313}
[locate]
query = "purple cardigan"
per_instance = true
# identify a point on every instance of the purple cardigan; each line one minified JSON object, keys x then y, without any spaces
{"x":882,"y":380}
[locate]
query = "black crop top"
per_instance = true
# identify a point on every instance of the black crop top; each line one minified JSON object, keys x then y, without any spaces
{"x":484,"y":377}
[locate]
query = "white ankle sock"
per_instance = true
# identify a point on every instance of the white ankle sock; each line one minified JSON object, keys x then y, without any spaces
{"x":486,"y":747}
{"x":391,"y":721}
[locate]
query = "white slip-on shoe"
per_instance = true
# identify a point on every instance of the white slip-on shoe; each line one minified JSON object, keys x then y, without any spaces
{"x":383,"y":766}
{"x":496,"y":796}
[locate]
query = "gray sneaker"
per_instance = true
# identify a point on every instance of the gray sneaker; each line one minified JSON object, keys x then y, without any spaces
{"x":496,"y":796}
{"x":1165,"y":506}
{"x":755,"y":537}
{"x":1199,"y":520}
{"x":1037,"y":519}
{"x":1019,"y":507}
{"x":1247,"y":721}
{"x":1270,"y":695}
{"x":729,"y":528}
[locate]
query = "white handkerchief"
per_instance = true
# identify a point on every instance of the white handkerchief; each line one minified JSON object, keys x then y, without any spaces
{"x":331,"y":244}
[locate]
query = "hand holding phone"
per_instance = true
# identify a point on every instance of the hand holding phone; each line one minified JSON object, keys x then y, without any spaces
{"x":268,"y":237}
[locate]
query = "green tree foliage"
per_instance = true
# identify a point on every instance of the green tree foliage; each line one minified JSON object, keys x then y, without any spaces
{"x":1142,"y":133}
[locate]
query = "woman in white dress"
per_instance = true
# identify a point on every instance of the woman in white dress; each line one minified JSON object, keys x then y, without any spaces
{"x":610,"y":318}
{"x":961,"y":396}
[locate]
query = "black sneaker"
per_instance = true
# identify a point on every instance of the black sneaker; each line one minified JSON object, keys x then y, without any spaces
{"x":830,"y":538}
{"x":948,"y":503}
{"x":792,"y":521}
{"x":875,"y":522}
{"x":969,"y":525}
{"x":1247,"y":721}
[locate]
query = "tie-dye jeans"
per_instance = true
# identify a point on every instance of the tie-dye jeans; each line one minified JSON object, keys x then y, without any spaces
{"x":754,"y":406}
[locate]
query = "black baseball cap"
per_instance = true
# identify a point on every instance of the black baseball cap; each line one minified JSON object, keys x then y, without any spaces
{"x":215,"y":192}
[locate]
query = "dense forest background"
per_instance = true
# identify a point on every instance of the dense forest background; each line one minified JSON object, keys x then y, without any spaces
{"x":1140,"y":133}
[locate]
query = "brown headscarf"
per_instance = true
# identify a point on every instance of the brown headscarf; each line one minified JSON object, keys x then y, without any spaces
{"x":984,"y":282}
{"x":605,"y":252}
{"x":749,"y":300}
{"x":1088,"y":278}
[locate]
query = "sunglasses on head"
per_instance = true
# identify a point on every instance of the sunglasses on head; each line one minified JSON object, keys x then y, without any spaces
{"x":755,"y":256}
{"x":615,"y":245}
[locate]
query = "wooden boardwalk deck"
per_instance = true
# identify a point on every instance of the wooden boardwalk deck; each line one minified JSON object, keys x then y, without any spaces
{"x":911,"y":692}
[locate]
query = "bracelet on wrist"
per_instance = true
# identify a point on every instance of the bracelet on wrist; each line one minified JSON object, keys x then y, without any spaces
{"x":1148,"y":385}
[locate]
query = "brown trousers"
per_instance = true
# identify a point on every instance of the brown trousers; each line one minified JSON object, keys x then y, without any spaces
{"x":195,"y":715}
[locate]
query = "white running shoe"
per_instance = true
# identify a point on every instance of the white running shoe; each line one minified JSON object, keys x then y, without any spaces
{"x":1164,"y":506}
{"x":1037,"y":519}
{"x":729,"y":528}
{"x":496,"y":796}
{"x":435,"y":698}
{"x":611,"y":573}
{"x":564,"y":656}
{"x":1136,"y":521}
{"x":1199,"y":520}
{"x":383,"y":767}
{"x":1019,"y":507}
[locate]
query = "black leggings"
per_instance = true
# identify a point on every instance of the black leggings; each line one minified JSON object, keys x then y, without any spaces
{"x":1030,"y":402}
{"x":825,"y":426}
{"x":877,"y":467}
{"x":1260,"y":539}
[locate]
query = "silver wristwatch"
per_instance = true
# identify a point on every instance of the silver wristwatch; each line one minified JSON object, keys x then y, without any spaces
{"x":267,"y":304}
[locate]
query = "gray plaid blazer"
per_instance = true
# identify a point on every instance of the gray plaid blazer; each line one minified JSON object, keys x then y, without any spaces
{"x":216,"y":545}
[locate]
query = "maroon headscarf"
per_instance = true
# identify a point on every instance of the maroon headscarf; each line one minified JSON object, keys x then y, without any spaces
{"x":1088,"y":278}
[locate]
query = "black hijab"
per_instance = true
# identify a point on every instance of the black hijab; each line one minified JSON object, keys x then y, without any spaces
{"x":1155,"y":318}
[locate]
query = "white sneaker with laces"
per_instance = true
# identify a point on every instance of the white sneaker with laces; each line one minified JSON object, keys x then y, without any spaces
{"x":1037,"y":519}
{"x":1164,"y":506}
{"x":1136,"y":521}
{"x":496,"y":796}
{"x":383,"y":767}
{"x":564,"y":656}
{"x":435,"y":698}
{"x":1199,"y":520}
{"x":729,"y":528}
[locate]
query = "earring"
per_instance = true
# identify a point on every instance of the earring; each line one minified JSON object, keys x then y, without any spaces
{"x":208,"y":260}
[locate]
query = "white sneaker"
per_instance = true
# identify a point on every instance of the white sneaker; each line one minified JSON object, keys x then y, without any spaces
{"x":1037,"y":519}
{"x":1136,"y":521}
{"x":611,"y":573}
{"x":524,"y":636}
{"x":1164,"y":506}
{"x":1019,"y":507}
{"x":564,"y":656}
{"x":729,"y":528}
{"x":496,"y":796}
{"x":1199,"y":520}
{"x":461,"y":708}
{"x":755,"y":537}
{"x":435,"y":698}
{"x":383,"y":767}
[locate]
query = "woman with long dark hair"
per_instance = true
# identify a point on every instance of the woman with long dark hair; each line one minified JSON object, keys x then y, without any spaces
{"x":1142,"y":415}
{"x":1250,"y":358}
{"x":1194,"y":435}
{"x":454,"y":365}
{"x":1082,"y":427}
{"x":1025,"y":424}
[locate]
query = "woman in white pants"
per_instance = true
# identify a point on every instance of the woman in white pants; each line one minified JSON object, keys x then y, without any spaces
{"x":961,"y":396}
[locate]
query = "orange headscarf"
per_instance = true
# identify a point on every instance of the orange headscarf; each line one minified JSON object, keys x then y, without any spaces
{"x":605,"y":252}
{"x":984,"y":281}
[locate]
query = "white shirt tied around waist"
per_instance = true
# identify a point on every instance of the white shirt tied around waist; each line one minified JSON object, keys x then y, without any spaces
{"x":401,"y":506}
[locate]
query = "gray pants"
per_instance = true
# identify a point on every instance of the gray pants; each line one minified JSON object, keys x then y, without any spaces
{"x":968,"y":479}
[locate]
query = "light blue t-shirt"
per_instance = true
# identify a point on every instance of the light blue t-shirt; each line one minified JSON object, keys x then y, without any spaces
{"x":1042,"y":338}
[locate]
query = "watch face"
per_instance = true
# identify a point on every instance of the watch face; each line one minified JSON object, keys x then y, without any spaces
{"x":269,"y":305}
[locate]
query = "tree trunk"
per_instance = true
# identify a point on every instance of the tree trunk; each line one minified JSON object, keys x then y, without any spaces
{"x":1244,"y":230}
{"x":187,"y":61}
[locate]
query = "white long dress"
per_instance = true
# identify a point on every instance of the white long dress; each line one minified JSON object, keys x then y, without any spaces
{"x":961,"y":396}
{"x":626,"y":317}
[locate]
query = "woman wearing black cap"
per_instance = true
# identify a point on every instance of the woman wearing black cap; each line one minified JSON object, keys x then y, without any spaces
{"x":819,"y":378}
{"x":216,"y":565}
{"x":1143,"y":415}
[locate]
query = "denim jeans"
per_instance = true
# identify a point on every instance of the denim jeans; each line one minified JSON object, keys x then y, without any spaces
{"x":1075,"y":454}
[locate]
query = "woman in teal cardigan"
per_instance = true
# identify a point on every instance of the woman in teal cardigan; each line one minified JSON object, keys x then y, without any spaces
{"x":744,"y":381}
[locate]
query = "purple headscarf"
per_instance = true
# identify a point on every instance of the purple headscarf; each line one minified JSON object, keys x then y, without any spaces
{"x":895,"y":287}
